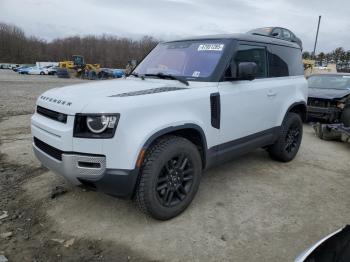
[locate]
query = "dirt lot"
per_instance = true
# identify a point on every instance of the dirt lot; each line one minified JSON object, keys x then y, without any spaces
{"x":251,"y":209}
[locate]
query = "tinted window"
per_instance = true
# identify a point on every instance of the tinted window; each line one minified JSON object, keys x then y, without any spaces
{"x":285,"y":61}
{"x":286,"y":34}
{"x":277,"y":32}
{"x":256,"y":54}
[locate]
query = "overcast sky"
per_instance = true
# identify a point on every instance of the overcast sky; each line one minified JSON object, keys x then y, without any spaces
{"x":171,"y":19}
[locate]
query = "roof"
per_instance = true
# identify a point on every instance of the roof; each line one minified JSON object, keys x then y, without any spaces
{"x":244,"y":37}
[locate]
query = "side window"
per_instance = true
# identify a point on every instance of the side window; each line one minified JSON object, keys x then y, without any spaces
{"x":285,"y":61}
{"x":286,"y":35}
{"x":256,"y":54}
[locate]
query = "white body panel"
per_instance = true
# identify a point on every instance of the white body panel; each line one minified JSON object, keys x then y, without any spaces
{"x":141,"y":116}
{"x":247,"y":107}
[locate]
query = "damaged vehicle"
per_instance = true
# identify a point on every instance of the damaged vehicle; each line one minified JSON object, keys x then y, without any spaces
{"x":329,"y":104}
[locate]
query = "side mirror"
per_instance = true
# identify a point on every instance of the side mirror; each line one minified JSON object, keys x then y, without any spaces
{"x":247,"y":70}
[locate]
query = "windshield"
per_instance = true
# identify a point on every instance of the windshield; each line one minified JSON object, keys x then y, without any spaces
{"x":330,"y":81}
{"x":189,"y":59}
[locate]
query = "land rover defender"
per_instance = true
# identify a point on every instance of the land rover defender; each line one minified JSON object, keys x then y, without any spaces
{"x":189,"y":105}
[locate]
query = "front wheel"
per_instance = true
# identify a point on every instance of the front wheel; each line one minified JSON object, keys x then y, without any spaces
{"x":42,"y":73}
{"x":287,"y":145}
{"x":169,"y":177}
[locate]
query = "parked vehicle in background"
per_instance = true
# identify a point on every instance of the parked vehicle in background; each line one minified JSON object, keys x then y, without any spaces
{"x":106,"y":73}
{"x":329,"y":98}
{"x":277,"y":32}
{"x":4,"y":66}
{"x":329,"y":105}
{"x":78,"y":68}
{"x":12,"y":66}
{"x":52,"y":70}
{"x":189,"y":105}
{"x":16,"y":68}
{"x":24,"y":70}
{"x":38,"y":71}
{"x":118,"y":73}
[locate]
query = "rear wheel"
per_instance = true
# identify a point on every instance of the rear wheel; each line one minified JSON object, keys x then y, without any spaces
{"x":288,"y":143}
{"x":169,"y":177}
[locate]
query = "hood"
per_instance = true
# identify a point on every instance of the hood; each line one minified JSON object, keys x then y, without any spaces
{"x":328,"y":93}
{"x":72,"y":99}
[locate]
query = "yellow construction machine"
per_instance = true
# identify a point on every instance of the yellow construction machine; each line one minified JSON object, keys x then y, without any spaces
{"x":77,"y":67}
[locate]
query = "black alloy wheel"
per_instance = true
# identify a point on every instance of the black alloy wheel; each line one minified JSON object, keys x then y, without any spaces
{"x":169,"y":177}
{"x":175,"y":181}
{"x":289,"y":139}
{"x":292,"y":138}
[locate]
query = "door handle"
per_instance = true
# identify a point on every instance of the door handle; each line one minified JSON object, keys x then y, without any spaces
{"x":271,"y":93}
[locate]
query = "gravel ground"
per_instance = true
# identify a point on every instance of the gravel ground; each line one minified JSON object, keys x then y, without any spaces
{"x":251,"y":209}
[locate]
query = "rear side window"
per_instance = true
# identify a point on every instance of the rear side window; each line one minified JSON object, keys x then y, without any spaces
{"x":256,"y":54}
{"x":286,"y":34}
{"x":285,"y":61}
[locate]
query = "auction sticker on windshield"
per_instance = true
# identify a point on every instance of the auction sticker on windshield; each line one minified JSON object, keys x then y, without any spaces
{"x":211,"y":47}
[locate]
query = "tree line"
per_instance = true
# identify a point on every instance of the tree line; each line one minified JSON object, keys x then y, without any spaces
{"x":109,"y":51}
{"x":338,"y":56}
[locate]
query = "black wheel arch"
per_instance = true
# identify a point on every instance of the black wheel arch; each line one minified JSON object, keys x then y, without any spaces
{"x":192,"y":132}
{"x":299,"y":108}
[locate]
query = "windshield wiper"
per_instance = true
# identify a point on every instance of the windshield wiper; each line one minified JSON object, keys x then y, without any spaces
{"x":166,"y":76}
{"x":134,"y":74}
{"x":137,"y":75}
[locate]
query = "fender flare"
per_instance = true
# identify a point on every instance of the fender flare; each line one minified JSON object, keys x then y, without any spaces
{"x":301,"y":103}
{"x":171,"y":129}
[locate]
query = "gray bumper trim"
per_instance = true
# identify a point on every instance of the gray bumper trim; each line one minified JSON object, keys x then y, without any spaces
{"x":73,"y":166}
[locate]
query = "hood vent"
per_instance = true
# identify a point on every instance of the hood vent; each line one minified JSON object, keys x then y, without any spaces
{"x":148,"y":91}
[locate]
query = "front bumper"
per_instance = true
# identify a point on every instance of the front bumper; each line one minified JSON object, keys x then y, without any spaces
{"x":88,"y":170}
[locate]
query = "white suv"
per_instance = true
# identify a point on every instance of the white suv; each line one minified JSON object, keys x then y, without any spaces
{"x":189,"y":105}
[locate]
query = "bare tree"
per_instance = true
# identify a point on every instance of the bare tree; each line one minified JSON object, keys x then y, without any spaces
{"x":109,"y":51}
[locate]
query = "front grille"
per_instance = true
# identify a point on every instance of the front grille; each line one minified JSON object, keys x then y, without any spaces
{"x":50,"y":150}
{"x":60,"y":117}
{"x":317,"y":102}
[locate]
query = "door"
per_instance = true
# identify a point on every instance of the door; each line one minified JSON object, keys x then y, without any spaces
{"x":247,"y":109}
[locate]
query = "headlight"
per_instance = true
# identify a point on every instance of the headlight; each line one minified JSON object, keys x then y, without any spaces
{"x":95,"y":125}
{"x":98,"y":124}
{"x":341,"y":105}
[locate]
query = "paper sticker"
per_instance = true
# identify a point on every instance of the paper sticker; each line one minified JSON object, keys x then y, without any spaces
{"x":211,"y":47}
{"x":346,"y":76}
{"x":196,"y":74}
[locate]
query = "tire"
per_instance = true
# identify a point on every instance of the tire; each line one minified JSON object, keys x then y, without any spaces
{"x":345,"y":117}
{"x":42,"y":73}
{"x":169,"y":177}
{"x":289,"y":140}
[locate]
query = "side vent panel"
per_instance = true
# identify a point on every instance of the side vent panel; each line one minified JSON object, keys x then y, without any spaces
{"x":215,"y":110}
